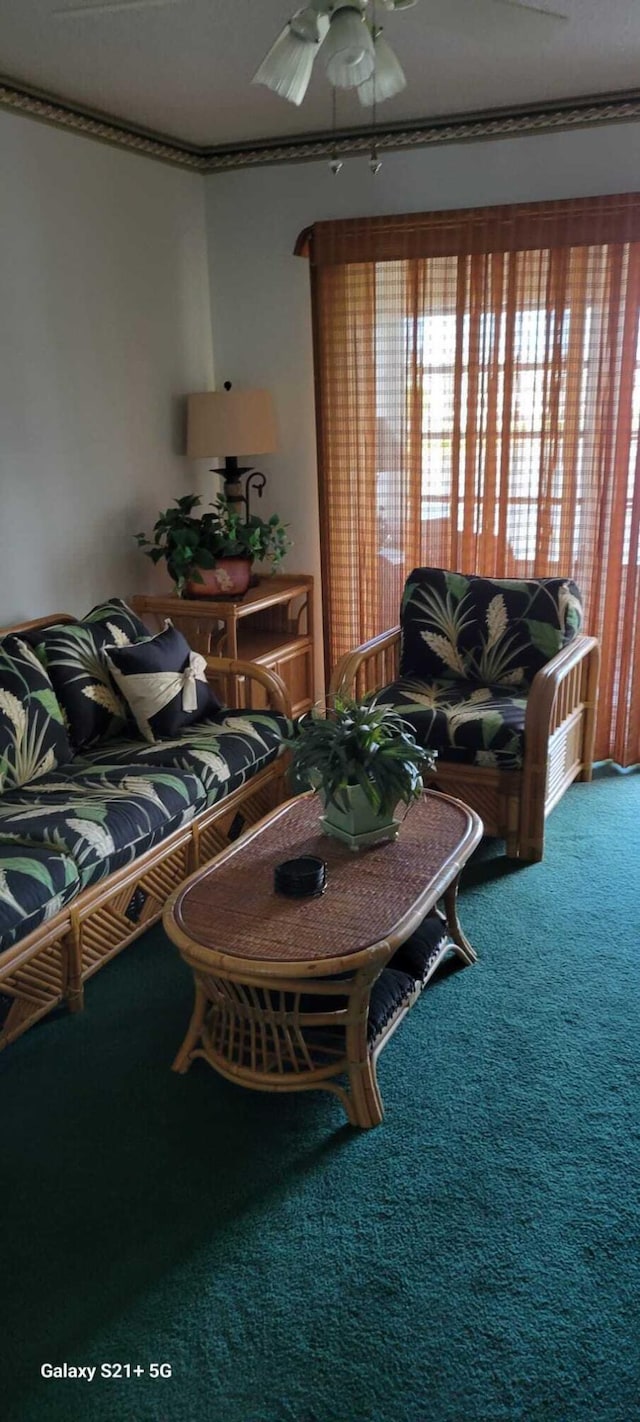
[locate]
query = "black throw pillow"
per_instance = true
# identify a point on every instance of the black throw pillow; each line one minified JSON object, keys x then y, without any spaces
{"x":73,"y":654}
{"x":163,"y":682}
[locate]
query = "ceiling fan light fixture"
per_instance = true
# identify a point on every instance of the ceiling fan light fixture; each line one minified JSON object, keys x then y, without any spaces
{"x":388,"y":77}
{"x":348,"y":48}
{"x":286,"y":69}
{"x":306,"y":25}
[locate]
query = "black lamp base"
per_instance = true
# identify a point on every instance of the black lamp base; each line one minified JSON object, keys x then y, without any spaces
{"x":233,"y":490}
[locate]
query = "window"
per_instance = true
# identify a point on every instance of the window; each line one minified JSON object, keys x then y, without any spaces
{"x":478,"y":395}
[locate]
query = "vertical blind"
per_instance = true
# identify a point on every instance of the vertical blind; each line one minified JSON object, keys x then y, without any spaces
{"x":478,"y":409}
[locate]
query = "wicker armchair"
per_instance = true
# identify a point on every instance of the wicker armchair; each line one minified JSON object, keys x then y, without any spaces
{"x":497,"y":677}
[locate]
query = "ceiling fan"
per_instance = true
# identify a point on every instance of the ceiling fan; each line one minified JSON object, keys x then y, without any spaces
{"x":356,"y":52}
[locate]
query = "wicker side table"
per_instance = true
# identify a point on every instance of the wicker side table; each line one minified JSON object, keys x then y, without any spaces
{"x":271,"y":625}
{"x":283,"y":986}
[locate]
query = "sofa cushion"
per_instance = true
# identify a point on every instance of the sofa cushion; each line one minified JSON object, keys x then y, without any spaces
{"x":397,"y":987}
{"x":103,"y":818}
{"x":33,"y":738}
{"x":391,"y":994}
{"x":423,"y":952}
{"x":477,"y":725}
{"x":163,"y":683}
{"x":73,"y":654}
{"x":489,"y":631}
{"x":34,"y":885}
{"x":224,"y":752}
{"x":407,"y":973}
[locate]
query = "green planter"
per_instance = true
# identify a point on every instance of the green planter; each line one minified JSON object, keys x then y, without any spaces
{"x":364,"y":760}
{"x":360,"y":825}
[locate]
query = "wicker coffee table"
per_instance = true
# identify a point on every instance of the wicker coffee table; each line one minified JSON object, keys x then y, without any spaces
{"x":295,"y":994}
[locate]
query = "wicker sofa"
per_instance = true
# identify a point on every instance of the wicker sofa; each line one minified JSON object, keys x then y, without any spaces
{"x":95,"y":836}
{"x":497,"y":677}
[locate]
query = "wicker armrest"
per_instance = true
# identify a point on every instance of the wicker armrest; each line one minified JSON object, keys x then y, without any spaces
{"x":568,"y":684}
{"x":225,"y":669}
{"x":368,"y":667}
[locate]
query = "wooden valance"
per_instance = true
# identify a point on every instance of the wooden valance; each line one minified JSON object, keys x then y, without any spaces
{"x":576,"y":222}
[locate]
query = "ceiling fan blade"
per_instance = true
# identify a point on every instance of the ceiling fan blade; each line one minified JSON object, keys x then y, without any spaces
{"x":536,"y":10}
{"x":487,"y":21}
{"x":109,"y":7}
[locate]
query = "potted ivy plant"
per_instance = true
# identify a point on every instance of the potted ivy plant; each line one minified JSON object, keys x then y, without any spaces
{"x":210,"y":554}
{"x":364,"y":760}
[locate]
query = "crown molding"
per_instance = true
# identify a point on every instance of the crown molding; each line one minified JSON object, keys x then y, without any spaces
{"x":104,"y":128}
{"x":586,"y":112}
{"x":422,"y":133}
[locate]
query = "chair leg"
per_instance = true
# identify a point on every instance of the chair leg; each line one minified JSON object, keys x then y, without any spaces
{"x":530,"y":846}
{"x":512,"y":834}
{"x":74,"y":990}
{"x":532,"y":813}
{"x":532,"y":854}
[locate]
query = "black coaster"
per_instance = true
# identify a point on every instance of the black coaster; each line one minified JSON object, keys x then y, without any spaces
{"x":301,"y":878}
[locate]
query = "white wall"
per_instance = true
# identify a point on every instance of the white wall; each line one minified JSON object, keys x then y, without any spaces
{"x":260,"y":292}
{"x":104,"y":324}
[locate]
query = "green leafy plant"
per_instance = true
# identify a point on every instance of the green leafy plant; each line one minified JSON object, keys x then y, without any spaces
{"x":189,"y":542}
{"x":359,"y":743}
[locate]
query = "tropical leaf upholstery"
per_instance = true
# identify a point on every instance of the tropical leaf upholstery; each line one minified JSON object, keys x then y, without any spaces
{"x":80,"y":801}
{"x":103,"y":818}
{"x":224,"y":751}
{"x":470,"y":648}
{"x":34,"y":885}
{"x":489,"y":631}
{"x":476,"y":725}
{"x":33,"y":739}
{"x":73,"y":654}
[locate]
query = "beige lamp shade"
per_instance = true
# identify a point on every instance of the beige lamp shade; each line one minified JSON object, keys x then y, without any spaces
{"x":230,"y":422}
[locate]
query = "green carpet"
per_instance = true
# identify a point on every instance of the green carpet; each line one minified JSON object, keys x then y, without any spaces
{"x":474,"y":1258}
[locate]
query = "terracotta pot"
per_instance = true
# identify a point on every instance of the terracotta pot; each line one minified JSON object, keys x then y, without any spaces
{"x":229,"y":578}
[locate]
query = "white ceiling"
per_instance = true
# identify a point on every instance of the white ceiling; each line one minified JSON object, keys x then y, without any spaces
{"x":184,"y":69}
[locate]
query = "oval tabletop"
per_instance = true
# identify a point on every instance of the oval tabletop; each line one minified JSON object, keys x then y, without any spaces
{"x":231,"y":908}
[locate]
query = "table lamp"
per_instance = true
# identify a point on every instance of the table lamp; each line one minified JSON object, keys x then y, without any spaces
{"x":230,"y":424}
